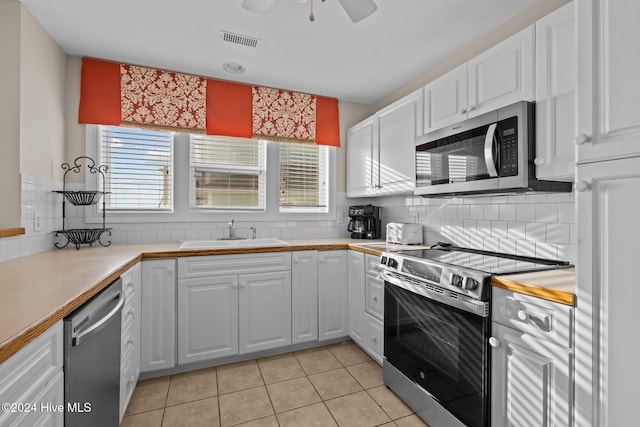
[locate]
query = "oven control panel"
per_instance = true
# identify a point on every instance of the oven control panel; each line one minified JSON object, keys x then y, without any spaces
{"x":460,"y":280}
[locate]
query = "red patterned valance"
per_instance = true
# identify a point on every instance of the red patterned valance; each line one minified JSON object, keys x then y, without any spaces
{"x":162,"y":98}
{"x":119,"y":93}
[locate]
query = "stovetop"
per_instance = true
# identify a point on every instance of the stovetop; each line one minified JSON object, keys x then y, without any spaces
{"x":485,"y":261}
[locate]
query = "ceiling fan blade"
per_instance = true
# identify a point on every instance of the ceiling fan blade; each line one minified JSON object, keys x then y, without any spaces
{"x":358,"y":9}
{"x":257,"y":5}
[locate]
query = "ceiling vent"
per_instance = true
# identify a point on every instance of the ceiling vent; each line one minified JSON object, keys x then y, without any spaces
{"x":239,"y":39}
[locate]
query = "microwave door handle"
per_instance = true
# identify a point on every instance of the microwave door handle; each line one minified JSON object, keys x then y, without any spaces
{"x":488,"y":150}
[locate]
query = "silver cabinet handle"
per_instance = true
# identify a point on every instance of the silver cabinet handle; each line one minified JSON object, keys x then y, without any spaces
{"x":96,"y":327}
{"x":581,"y":138}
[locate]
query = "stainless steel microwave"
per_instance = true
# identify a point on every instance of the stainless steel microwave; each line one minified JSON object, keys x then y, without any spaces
{"x":487,"y":154}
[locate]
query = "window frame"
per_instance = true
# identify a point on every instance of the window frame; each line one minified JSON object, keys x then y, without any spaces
{"x":322,"y":174}
{"x":184,"y":213}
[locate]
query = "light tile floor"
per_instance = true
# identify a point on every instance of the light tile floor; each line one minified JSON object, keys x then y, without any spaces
{"x":336,"y":385}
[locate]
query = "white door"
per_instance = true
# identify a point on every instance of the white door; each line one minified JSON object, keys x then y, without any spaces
{"x":607,"y":293}
{"x":398,"y":126}
{"x":207,"y":318}
{"x":356,"y":296}
{"x":503,"y":74}
{"x":265,"y":311}
{"x":556,"y":63}
{"x":158,"y":323}
{"x":304,"y":296}
{"x":361,"y":159}
{"x":333,"y":313}
{"x":445,"y":99}
{"x":608,"y":70}
{"x":530,"y":381}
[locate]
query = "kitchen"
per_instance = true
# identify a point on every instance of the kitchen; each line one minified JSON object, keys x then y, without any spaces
{"x":577,"y":226}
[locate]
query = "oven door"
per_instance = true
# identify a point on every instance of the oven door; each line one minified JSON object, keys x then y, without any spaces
{"x":442,"y":349}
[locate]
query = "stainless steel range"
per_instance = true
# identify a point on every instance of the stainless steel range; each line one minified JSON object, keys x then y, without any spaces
{"x":437,"y":327}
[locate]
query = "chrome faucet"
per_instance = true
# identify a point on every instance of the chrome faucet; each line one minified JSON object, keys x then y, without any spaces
{"x":232,"y":230}
{"x":253,"y":232}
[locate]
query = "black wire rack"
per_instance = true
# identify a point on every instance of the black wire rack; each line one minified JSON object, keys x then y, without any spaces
{"x":83,"y":236}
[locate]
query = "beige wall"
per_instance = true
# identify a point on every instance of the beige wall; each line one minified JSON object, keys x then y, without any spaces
{"x":42,"y":97}
{"x":510,"y":27}
{"x":10,"y":113}
{"x":75,"y":132}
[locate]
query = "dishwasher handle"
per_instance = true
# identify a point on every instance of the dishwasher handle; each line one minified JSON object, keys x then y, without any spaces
{"x":97,"y":327}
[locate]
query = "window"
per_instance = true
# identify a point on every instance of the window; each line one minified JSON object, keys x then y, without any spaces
{"x":140,"y":175}
{"x":304,"y":174}
{"x":227,"y":173}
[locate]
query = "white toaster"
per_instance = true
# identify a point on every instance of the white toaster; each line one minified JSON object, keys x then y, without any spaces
{"x":405,"y":234}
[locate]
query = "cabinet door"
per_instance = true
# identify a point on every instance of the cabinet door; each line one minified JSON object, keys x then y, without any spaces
{"x":265,"y":311}
{"x":356,"y":296}
{"x":304,"y":296}
{"x":502,"y":75}
{"x":374,"y":296}
{"x":362,"y":161}
{"x":556,"y":63}
{"x":608,"y":90}
{"x":333,"y":313}
{"x":158,"y":323}
{"x":207,"y":318}
{"x":398,"y":126}
{"x":531,"y":382}
{"x":374,"y":338}
{"x":445,"y":99}
{"x":607,"y":293}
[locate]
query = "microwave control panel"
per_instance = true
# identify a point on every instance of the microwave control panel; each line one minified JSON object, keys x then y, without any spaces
{"x":508,"y":138}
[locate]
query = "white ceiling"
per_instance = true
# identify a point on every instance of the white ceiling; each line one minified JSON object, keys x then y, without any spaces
{"x":331,"y":56}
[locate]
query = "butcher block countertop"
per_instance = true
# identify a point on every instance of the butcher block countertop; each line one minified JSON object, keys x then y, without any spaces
{"x":39,"y":290}
{"x":554,"y":285}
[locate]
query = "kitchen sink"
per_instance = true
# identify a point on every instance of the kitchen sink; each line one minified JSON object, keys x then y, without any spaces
{"x":231,"y":244}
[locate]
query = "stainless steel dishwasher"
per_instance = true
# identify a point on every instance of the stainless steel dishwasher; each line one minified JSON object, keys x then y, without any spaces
{"x":92,"y":360}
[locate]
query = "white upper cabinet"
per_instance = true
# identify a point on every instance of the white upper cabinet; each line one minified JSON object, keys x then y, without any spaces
{"x":500,"y":76}
{"x":503,"y":74}
{"x":608,"y":89}
{"x":361,"y":139}
{"x":556,"y":63}
{"x":381,"y":149}
{"x":445,"y":99}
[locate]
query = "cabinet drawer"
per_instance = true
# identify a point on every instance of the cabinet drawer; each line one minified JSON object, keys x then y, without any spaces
{"x":538,"y":317}
{"x":372,"y":264}
{"x":215,"y":265}
{"x":46,"y":394}
{"x":374,"y":338}
{"x":374,"y":296}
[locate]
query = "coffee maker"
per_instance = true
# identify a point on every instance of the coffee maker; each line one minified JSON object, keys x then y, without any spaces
{"x":364,"y":222}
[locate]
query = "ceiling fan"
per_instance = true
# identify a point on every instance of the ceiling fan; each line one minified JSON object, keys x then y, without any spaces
{"x":356,"y":9}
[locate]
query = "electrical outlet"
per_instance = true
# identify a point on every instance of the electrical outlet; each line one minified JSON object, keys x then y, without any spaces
{"x":340,"y":217}
{"x":37,"y":222}
{"x":414,"y":217}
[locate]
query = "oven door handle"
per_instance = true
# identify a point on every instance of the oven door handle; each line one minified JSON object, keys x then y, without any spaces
{"x":489,"y":150}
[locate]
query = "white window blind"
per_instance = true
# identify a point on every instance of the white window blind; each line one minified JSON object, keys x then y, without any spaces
{"x":227,"y":173}
{"x":140,"y":175}
{"x":304,"y":172}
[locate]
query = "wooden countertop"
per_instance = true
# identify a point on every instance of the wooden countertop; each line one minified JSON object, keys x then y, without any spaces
{"x":553,"y":285}
{"x":38,"y":290}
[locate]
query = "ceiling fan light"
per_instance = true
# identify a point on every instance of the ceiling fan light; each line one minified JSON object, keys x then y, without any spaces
{"x":257,"y":5}
{"x":358,"y":9}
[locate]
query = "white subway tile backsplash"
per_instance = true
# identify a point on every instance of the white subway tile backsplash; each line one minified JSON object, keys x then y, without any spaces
{"x":536,"y":231}
{"x":525,"y":247}
{"x":492,"y":212}
{"x":566,"y":213}
{"x":508,"y":212}
{"x":546,"y":250}
{"x":526,"y":212}
{"x":559,"y":233}
{"x":464,"y":211}
{"x":516,"y":230}
{"x":483,"y":228}
{"x":499,"y":229}
{"x":546,"y":212}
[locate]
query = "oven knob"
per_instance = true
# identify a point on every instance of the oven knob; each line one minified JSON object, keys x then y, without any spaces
{"x":383,"y":260}
{"x":392,"y":263}
{"x":471,"y":284}
{"x":456,"y":280}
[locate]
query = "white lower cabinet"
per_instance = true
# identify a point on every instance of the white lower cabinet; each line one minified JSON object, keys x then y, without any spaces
{"x":356,"y":299}
{"x":158,"y":324}
{"x":333,"y":313}
{"x":265,"y":311}
{"x":130,"y":338}
{"x":304,"y":296}
{"x":34,"y":377}
{"x":207,"y":318}
{"x":374,"y":337}
{"x":233,"y":304}
{"x":531,"y":361}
